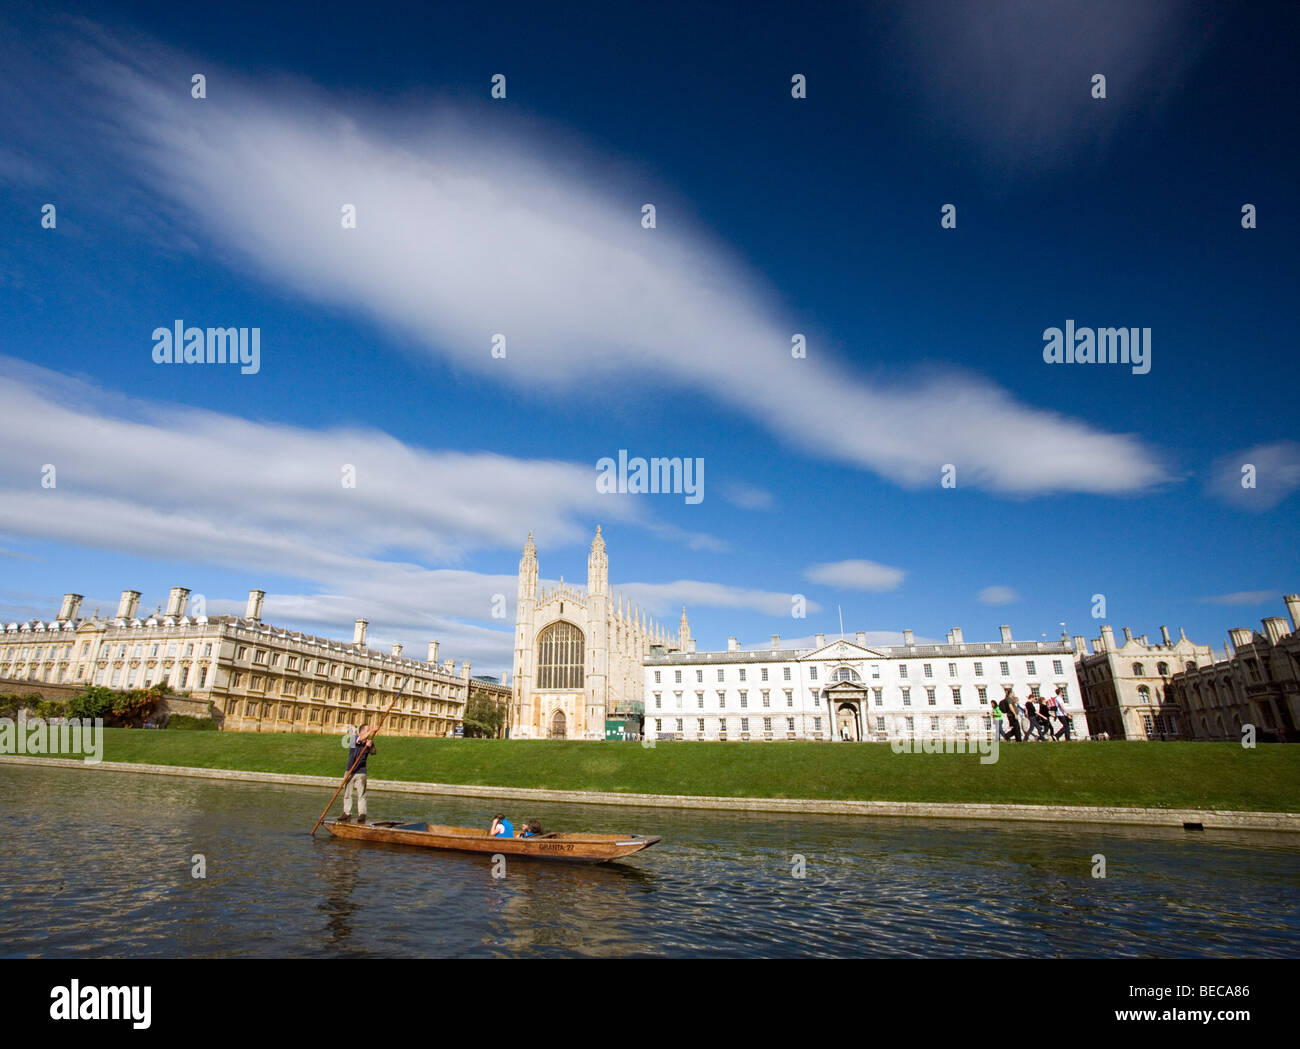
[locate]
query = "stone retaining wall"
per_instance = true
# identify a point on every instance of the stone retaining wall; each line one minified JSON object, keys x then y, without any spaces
{"x":1210,"y":819}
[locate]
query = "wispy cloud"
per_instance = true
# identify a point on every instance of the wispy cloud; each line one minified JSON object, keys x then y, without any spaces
{"x":997,"y":595}
{"x":664,"y":599}
{"x":1013,"y":78}
{"x":206,"y":488}
{"x":873,"y":639}
{"x":856,"y":575}
{"x":462,"y":234}
{"x":747,"y":496}
{"x":1243,"y":597}
{"x":1257,"y":478}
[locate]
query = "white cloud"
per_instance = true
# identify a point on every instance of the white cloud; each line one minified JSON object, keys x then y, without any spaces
{"x":462,"y":233}
{"x":874,"y":639}
{"x":856,"y":575}
{"x":997,"y":595}
{"x":1276,"y":474}
{"x":747,"y":496}
{"x":1243,"y":597}
{"x":171,"y":484}
{"x":666,"y":599}
{"x":1014,"y":77}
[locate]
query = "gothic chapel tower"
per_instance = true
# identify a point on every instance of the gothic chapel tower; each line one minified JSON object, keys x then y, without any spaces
{"x":600,"y":619}
{"x":524,"y":616}
{"x":579,"y":654}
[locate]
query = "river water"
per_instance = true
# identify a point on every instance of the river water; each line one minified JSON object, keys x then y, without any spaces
{"x":99,"y":864}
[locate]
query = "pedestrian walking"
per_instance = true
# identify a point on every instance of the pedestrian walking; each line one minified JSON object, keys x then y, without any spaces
{"x":1008,"y":707}
{"x":999,"y":732}
{"x":1063,"y":718}
{"x":1035,"y":722}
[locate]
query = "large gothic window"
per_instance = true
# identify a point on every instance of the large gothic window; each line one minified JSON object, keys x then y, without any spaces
{"x":560,"y":656}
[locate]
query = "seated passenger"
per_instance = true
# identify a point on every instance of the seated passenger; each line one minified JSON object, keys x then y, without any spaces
{"x":501,"y":827}
{"x":531,"y":829}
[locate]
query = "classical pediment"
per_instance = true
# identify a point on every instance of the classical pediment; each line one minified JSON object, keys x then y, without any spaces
{"x":843,"y":650}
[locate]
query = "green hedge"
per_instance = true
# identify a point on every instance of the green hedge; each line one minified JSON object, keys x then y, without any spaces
{"x":193,"y":724}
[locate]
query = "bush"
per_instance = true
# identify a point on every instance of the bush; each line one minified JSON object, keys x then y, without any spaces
{"x":185,"y":721}
{"x":50,"y":708}
{"x":95,"y":702}
{"x":131,"y":709}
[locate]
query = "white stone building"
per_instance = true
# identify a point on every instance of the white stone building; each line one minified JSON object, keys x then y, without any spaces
{"x":579,"y":653}
{"x":852,"y":690}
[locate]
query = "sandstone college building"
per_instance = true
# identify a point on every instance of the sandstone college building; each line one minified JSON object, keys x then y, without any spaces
{"x":249,"y":676}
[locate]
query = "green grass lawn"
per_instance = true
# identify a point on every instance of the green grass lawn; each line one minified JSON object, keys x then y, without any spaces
{"x":1160,"y":775}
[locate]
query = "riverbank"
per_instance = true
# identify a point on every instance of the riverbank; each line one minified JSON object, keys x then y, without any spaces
{"x":1195,"y":819}
{"x":1192,"y":776}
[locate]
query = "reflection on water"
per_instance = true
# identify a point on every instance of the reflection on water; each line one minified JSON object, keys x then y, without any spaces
{"x":99,"y":864}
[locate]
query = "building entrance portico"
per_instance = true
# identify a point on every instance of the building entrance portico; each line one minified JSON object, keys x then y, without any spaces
{"x":847,"y":704}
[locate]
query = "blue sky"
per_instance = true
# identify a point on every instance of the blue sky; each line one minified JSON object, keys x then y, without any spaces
{"x":774,"y":215}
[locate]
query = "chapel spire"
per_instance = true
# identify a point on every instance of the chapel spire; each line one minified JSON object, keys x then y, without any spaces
{"x":597,"y":566}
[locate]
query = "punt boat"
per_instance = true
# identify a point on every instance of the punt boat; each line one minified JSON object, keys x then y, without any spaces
{"x":585,"y":848}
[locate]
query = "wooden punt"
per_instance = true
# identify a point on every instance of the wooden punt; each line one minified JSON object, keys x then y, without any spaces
{"x":584,"y":848}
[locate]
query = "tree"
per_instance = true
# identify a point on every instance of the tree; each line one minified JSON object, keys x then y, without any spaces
{"x":484,"y":714}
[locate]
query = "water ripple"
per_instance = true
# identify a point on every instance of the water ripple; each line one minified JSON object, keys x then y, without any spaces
{"x":99,"y":864}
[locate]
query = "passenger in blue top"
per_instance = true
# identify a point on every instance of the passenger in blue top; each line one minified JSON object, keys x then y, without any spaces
{"x":531,"y":829}
{"x":501,"y":827}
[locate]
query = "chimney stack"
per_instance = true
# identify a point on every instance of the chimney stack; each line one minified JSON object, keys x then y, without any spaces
{"x":254,"y":610}
{"x":397,"y":650}
{"x":359,"y":633}
{"x":1128,"y":635}
{"x":733,"y":645}
{"x":176,"y":601}
{"x":464,"y":670}
{"x":862,"y":638}
{"x":1241,"y":636}
{"x":1275,"y":628}
{"x":449,"y":666}
{"x":908,"y":639}
{"x":1080,"y":645}
{"x":1006,"y":634}
{"x":129,"y":605}
{"x":776,"y":642}
{"x":956,"y":635}
{"x":950,"y":637}
{"x":433,"y":652}
{"x":1293,"y":610}
{"x":821,"y":640}
{"x":1164,"y":633}
{"x":70,"y":607}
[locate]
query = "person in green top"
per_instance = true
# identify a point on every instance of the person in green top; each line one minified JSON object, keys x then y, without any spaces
{"x":997,"y":720}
